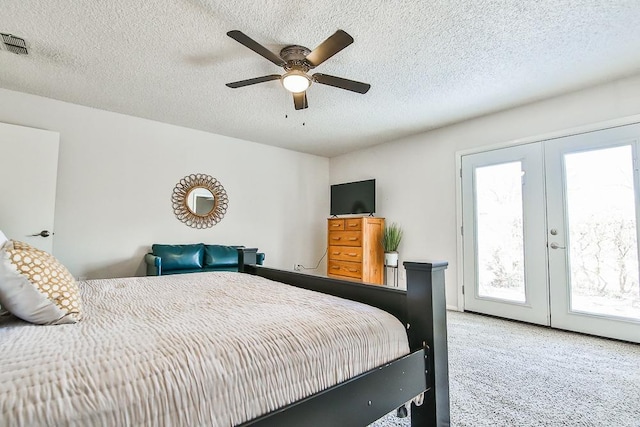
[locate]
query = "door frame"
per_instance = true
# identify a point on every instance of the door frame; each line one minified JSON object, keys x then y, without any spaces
{"x":40,"y":147}
{"x":602,"y":125}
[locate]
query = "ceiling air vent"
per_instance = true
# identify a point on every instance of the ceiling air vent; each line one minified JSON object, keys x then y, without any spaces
{"x":14,"y":44}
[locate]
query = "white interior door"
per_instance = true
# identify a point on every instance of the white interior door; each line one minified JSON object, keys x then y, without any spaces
{"x":505,"y":266}
{"x":28,"y":173}
{"x":592,"y":182}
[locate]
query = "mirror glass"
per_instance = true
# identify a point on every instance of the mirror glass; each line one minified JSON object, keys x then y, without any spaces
{"x":200,"y":201}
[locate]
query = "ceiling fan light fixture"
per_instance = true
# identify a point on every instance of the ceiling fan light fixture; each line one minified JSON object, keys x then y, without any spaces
{"x":296,"y":81}
{"x":297,"y":61}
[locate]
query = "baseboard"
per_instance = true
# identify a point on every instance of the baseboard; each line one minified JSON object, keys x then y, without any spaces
{"x":453,"y":308}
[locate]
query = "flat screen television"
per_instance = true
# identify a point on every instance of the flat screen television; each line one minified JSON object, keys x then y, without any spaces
{"x":353,"y":198}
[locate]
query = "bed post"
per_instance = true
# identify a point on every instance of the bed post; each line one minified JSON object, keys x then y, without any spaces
{"x":246,"y":256}
{"x":428,"y":324}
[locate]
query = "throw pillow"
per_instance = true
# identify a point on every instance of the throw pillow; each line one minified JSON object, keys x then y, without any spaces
{"x":3,"y":239}
{"x":35,"y":287}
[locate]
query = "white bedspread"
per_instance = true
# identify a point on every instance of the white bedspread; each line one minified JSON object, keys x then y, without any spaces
{"x":207,"y":349}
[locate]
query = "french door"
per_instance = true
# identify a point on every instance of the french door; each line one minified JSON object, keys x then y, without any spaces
{"x":550,"y":233}
{"x":504,"y":234}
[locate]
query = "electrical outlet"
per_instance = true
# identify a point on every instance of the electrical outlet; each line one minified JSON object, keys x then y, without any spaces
{"x":297,"y":267}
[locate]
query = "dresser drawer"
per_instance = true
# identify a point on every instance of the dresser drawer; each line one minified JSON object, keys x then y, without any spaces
{"x":346,"y":268}
{"x":352,"y":224}
{"x":345,"y":238}
{"x":345,"y":253}
{"x":336,"y":224}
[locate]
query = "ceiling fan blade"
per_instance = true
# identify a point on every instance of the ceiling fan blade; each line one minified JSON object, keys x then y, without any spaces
{"x":341,"y":83}
{"x":245,"y":40}
{"x":300,"y":100}
{"x":334,"y":44}
{"x":253,"y":81}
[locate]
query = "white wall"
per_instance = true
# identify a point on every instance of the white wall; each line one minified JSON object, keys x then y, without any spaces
{"x":416,"y":176}
{"x":116,"y":174}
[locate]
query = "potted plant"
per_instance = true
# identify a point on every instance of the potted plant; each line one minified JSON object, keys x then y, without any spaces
{"x":391,"y":238}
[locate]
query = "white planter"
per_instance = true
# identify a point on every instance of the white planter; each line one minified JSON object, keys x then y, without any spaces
{"x":391,"y":259}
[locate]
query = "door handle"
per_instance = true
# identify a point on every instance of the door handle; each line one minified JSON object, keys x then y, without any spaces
{"x":43,"y":233}
{"x":554,"y":245}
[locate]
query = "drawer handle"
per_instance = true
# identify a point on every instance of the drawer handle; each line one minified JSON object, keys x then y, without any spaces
{"x":352,"y":270}
{"x":336,"y":238}
{"x":353,"y":239}
{"x":335,"y":267}
{"x":335,"y":225}
{"x":353,"y":225}
{"x":352,"y":254}
{"x":335,"y":253}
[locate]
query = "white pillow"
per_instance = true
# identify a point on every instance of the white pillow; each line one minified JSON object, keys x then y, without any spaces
{"x":3,"y":239}
{"x":35,"y":287}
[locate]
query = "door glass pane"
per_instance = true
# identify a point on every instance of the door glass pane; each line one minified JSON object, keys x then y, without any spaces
{"x":500,"y":253}
{"x":602,"y":245}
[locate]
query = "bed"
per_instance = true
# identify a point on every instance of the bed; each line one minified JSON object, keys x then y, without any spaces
{"x":263,"y":347}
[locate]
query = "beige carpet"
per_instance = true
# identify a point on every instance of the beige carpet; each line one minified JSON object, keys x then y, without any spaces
{"x":505,"y":373}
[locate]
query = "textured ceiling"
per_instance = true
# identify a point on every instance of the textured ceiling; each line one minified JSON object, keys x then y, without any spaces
{"x":430,"y":63}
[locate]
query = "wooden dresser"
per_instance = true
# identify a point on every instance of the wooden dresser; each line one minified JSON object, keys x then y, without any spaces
{"x":355,"y":249}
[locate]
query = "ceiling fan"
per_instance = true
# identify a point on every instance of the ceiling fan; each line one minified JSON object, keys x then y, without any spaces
{"x":297,"y":61}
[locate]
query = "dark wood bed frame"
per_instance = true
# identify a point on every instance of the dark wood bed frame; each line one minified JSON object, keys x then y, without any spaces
{"x":369,"y":396}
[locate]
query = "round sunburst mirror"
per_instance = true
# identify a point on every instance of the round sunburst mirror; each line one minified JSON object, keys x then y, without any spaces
{"x":199,"y":200}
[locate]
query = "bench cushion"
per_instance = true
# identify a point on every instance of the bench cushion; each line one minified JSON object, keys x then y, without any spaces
{"x":220,"y":256}
{"x":180,"y":257}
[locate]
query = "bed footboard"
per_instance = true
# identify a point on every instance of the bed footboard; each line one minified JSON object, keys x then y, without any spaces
{"x":426,"y":294}
{"x":355,"y":402}
{"x":422,"y":309}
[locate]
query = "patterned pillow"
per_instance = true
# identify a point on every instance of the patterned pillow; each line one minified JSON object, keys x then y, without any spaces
{"x":35,"y":287}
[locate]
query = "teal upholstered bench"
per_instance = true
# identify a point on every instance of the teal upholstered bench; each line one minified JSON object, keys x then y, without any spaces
{"x":194,"y":258}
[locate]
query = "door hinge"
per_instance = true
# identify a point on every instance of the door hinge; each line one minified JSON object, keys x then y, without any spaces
{"x":462,"y":289}
{"x":460,"y":172}
{"x":462,"y":230}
